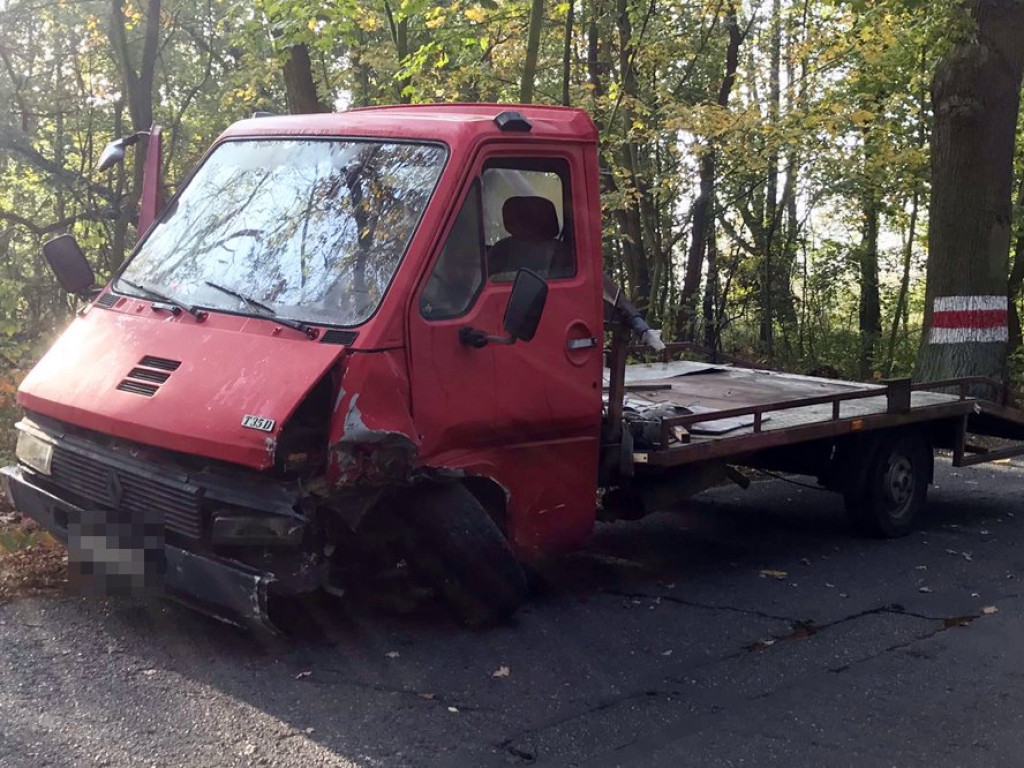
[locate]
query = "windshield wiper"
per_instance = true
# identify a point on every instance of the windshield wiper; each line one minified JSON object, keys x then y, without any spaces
{"x":264,"y":310}
{"x":175,"y":305}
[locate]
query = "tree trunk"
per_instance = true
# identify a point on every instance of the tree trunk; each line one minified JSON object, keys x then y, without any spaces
{"x":869,"y":315}
{"x":138,"y":87}
{"x":299,"y":83}
{"x":1017,"y":276}
{"x":901,"y":298}
{"x":400,"y":37}
{"x":532,"y":51}
{"x":567,"y":53}
{"x":711,"y":319}
{"x":632,"y":218}
{"x":771,"y":202}
{"x":702,"y":206}
{"x":976,"y":98}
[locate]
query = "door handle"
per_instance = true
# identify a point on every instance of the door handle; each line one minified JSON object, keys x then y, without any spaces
{"x":573,"y":344}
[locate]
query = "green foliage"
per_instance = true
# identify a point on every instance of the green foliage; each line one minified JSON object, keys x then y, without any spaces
{"x":802,"y":149}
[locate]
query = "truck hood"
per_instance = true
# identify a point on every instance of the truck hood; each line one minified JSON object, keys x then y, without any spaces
{"x":221,"y":389}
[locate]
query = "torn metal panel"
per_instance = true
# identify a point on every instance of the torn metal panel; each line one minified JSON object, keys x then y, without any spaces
{"x":373,"y":440}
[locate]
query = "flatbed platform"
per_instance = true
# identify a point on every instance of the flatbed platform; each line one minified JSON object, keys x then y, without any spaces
{"x":702,"y":411}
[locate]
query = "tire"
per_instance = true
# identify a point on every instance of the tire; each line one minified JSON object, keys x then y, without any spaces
{"x":889,"y":485}
{"x":455,"y":547}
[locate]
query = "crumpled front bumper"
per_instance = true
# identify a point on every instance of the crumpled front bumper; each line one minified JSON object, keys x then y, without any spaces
{"x":226,"y":589}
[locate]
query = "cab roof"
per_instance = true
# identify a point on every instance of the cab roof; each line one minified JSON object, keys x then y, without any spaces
{"x":448,"y":123}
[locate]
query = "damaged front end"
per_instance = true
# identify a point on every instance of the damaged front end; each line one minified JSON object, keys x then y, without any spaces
{"x":219,"y":538}
{"x":224,"y":538}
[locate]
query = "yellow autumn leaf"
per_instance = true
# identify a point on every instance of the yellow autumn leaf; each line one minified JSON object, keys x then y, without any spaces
{"x":862,"y":116}
{"x":476,"y":14}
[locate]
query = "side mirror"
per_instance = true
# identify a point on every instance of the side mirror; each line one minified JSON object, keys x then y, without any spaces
{"x":525,"y":305}
{"x":112,"y":155}
{"x":69,"y":265}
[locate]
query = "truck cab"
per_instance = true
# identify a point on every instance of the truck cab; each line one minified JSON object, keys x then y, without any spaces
{"x":383,"y":324}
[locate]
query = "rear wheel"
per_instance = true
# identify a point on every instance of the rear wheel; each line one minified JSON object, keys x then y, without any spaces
{"x":454,"y":545}
{"x":889,"y":485}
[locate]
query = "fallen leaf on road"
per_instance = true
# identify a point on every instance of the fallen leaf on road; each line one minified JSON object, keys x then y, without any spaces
{"x":667,"y":653}
{"x":303,"y":675}
{"x":453,"y":709}
{"x":765,"y":574}
{"x":988,"y":610}
{"x":924,"y":589}
{"x":427,"y":696}
{"x":920,"y":567}
{"x":392,"y":654}
{"x":501,"y":671}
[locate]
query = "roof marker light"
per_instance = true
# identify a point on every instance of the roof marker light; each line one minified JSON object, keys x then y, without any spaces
{"x":512,"y":121}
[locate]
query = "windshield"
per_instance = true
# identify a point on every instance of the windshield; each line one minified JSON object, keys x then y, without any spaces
{"x":308,"y":230}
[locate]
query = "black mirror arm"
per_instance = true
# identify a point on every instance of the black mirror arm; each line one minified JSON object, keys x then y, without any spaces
{"x":471,"y":337}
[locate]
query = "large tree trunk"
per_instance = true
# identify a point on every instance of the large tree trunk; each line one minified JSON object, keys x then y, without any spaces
{"x":299,"y":83}
{"x":976,"y":97}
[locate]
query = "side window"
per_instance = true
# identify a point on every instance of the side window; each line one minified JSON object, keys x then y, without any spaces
{"x":527,"y":208}
{"x":458,"y":274}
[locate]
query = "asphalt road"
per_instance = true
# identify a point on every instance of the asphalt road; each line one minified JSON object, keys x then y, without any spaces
{"x":750,"y":629}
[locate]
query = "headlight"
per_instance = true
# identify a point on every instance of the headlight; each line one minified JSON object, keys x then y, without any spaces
{"x":34,"y":451}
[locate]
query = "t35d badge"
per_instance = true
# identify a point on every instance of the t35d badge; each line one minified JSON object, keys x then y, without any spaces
{"x":258,"y":422}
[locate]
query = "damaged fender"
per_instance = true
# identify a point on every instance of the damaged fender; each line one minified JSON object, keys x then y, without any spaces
{"x":373,"y":441}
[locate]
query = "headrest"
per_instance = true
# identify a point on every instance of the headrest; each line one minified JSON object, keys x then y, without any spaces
{"x":530,"y":218}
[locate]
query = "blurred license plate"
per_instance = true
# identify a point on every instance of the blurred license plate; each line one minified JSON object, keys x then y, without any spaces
{"x":116,"y":553}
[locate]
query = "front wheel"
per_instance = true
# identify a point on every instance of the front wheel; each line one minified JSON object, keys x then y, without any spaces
{"x":887,"y":494}
{"x":453,"y":545}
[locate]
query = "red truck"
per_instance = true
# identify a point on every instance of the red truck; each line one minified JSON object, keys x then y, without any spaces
{"x":378,"y":336}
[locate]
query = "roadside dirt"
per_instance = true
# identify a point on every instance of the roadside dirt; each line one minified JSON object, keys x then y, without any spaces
{"x":31,"y":561}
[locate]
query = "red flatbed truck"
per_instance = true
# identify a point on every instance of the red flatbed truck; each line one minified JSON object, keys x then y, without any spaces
{"x":378,"y":335}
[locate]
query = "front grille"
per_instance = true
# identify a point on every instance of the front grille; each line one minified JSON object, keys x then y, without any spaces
{"x":179,"y":504}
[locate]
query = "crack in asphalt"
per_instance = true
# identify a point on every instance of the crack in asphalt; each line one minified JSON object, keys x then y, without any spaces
{"x":802,"y":629}
{"x":425,"y":696}
{"x":948,"y":623}
{"x":705,"y":606}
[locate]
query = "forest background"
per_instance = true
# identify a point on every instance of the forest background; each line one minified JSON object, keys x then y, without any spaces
{"x":765,"y":163}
